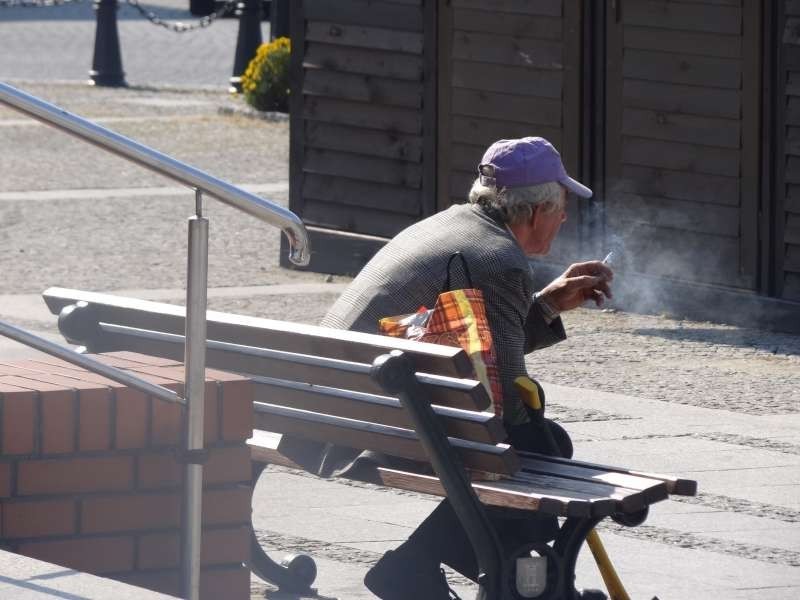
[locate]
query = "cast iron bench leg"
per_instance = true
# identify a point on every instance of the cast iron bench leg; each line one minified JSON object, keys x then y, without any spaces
{"x":561,"y":559}
{"x":295,"y":573}
{"x":569,"y":540}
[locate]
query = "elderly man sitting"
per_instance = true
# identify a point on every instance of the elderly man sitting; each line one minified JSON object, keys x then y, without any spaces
{"x":516,"y":207}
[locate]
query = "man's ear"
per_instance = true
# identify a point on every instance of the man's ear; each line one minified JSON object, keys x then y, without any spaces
{"x":536,"y":211}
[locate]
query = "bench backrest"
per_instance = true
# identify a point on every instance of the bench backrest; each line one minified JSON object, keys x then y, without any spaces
{"x":310,"y":381}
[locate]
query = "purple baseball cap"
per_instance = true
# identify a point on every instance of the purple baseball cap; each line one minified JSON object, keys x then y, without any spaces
{"x":526,"y":161}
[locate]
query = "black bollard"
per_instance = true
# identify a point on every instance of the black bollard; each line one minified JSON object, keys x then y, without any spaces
{"x":248,"y":40}
{"x":107,"y":62}
{"x":279,"y":19}
{"x":201,"y":8}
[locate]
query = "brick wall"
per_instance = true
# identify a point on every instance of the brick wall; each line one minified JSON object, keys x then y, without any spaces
{"x":89,"y":478}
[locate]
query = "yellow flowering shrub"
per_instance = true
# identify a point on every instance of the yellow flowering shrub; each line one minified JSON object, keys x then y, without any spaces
{"x":265,"y":82}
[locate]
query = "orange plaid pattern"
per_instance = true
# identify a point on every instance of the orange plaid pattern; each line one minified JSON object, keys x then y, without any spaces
{"x":458,"y":319}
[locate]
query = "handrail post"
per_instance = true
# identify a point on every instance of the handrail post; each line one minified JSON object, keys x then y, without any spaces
{"x":195,"y":367}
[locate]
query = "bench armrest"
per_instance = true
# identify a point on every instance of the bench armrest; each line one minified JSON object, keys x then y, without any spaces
{"x":395,"y":373}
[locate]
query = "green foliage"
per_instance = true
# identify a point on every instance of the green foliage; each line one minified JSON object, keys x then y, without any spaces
{"x":265,"y":82}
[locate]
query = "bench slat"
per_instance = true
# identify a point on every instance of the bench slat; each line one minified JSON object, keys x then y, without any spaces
{"x":675,"y":485}
{"x":507,"y":494}
{"x":394,"y":441}
{"x":262,"y":333}
{"x":628,"y":500}
{"x":652,"y":489}
{"x":264,"y":449}
{"x":445,"y":391}
{"x":478,"y":426}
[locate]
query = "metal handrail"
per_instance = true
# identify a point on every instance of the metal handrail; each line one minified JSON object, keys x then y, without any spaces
{"x":154,"y":160}
{"x":196,"y":296}
{"x":88,"y":363}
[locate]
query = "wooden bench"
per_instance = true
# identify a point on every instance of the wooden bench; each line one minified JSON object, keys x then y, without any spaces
{"x":407,"y":399}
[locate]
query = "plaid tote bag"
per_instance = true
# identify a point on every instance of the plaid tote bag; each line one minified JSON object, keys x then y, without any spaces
{"x":457,"y":319}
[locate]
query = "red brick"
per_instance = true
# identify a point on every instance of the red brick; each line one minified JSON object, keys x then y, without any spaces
{"x":219,"y":547}
{"x":172,"y":371}
{"x":94,"y":404}
{"x":52,"y":360}
{"x":159,"y":471}
{"x":5,"y":479}
{"x":101,"y":514}
{"x":94,"y":422}
{"x":237,"y":410}
{"x":227,"y":465}
{"x":211,"y":414}
{"x":144,"y":359}
{"x":131,"y":425}
{"x":110,"y":359}
{"x":225,"y":546}
{"x":24,"y":380}
{"x":227,"y":506}
{"x":224,"y":376}
{"x":166,"y":425}
{"x":231,"y":584}
{"x":90,"y":555}
{"x":19,"y":420}
{"x":159,"y":551}
{"x":57,"y":419}
{"x":166,"y":582}
{"x":35,"y":518}
{"x":75,"y":475}
{"x":167,"y":421}
{"x":58,"y":423}
{"x":71,"y":371}
{"x":56,"y":379}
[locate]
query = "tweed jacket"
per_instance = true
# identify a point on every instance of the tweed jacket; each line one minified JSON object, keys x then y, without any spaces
{"x":410,"y":271}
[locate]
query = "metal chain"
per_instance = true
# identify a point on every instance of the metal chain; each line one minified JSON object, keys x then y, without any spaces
{"x":178,"y":26}
{"x":36,"y":3}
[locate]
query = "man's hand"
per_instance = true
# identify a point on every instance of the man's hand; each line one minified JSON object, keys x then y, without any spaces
{"x":579,"y":283}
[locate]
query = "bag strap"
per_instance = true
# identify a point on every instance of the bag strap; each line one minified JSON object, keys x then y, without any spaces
{"x":464,"y":266}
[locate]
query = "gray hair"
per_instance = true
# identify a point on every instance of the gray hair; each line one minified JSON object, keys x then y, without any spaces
{"x":515,"y":205}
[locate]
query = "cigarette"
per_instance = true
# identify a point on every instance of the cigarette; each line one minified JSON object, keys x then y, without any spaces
{"x":609,"y":258}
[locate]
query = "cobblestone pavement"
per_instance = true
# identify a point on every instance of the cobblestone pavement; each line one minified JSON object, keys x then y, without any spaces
{"x":115,"y":239}
{"x":56,"y":43}
{"x":699,"y":364}
{"x":631,"y":388}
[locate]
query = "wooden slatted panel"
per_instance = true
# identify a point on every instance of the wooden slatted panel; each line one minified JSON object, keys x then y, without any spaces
{"x":358,"y":139}
{"x":680,"y":193}
{"x":788,"y":180}
{"x":505,"y":72}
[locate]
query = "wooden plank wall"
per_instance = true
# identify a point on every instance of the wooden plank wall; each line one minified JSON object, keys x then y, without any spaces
{"x":507,"y":69}
{"x":681,"y":149}
{"x":788,"y":180}
{"x":358,"y":129}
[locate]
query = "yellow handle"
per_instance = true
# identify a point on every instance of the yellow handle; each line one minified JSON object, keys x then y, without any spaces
{"x":610,"y":577}
{"x":528,"y":392}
